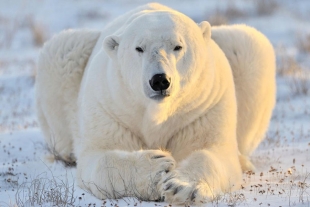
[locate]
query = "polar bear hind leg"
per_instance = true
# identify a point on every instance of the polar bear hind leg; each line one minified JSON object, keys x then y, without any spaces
{"x":60,"y":69}
{"x":252,"y":61}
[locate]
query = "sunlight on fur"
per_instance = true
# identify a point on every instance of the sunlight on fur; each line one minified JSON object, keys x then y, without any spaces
{"x":154,"y":79}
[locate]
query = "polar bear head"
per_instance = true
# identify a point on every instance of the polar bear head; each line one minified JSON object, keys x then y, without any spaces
{"x":160,"y":54}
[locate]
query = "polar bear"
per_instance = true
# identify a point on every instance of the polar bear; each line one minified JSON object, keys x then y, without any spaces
{"x":156,"y":106}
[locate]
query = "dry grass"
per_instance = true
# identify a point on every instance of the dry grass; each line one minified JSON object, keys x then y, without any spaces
{"x":298,"y":77}
{"x":300,"y":83}
{"x":287,"y":65}
{"x":9,"y":35}
{"x":38,"y":32}
{"x":233,"y":12}
{"x":303,"y":188}
{"x":222,"y":17}
{"x":230,"y":199}
{"x":303,"y":43}
{"x":292,"y":186}
{"x":217,"y":19}
{"x":46,"y":190}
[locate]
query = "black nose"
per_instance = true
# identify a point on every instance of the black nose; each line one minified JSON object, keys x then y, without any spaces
{"x":160,"y":82}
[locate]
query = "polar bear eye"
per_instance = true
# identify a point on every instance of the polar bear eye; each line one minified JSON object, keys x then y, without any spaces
{"x":177,"y":48}
{"x":139,"y":49}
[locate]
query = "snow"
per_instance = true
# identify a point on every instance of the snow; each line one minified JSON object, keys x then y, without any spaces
{"x":283,"y":160}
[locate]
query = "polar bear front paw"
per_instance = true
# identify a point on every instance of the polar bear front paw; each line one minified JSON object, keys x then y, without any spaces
{"x":152,"y":165}
{"x":180,"y":191}
{"x":156,"y":160}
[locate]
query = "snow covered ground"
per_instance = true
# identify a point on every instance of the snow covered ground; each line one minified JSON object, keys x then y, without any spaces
{"x":282,"y":160}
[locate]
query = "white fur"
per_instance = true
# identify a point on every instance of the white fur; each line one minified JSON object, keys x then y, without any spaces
{"x":253,"y":64}
{"x":183,"y":147}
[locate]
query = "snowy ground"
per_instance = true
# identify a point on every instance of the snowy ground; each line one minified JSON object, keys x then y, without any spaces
{"x":282,"y":160}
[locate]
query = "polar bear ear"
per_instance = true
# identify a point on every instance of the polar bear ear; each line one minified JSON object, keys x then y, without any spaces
{"x":110,"y":45}
{"x":206,"y":29}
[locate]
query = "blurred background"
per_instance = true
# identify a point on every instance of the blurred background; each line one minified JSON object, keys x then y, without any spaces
{"x":26,"y":24}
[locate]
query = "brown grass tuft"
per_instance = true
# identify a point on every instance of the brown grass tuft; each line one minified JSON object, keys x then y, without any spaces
{"x":288,"y":65}
{"x":233,"y":12}
{"x":303,"y":43}
{"x":222,"y":17}
{"x":265,"y":7}
{"x":46,"y":190}
{"x":298,"y":77}
{"x":300,"y":83}
{"x":217,"y":19}
{"x":37,"y":31}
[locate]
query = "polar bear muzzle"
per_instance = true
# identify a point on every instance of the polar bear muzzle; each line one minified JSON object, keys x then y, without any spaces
{"x":160,"y":82}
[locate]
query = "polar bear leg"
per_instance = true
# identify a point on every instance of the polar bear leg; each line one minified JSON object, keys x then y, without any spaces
{"x":59,"y":141}
{"x":118,"y":173}
{"x":214,"y":167}
{"x":202,"y":176}
{"x":60,"y":69}
{"x":246,"y":164}
{"x":110,"y":162}
{"x":252,"y":61}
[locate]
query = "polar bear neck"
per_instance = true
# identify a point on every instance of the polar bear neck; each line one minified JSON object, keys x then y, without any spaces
{"x":161,"y":121}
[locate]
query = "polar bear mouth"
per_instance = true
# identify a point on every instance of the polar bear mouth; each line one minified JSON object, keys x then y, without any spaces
{"x":161,"y":95}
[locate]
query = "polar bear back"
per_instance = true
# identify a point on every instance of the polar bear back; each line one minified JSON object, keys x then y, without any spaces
{"x":252,"y":61}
